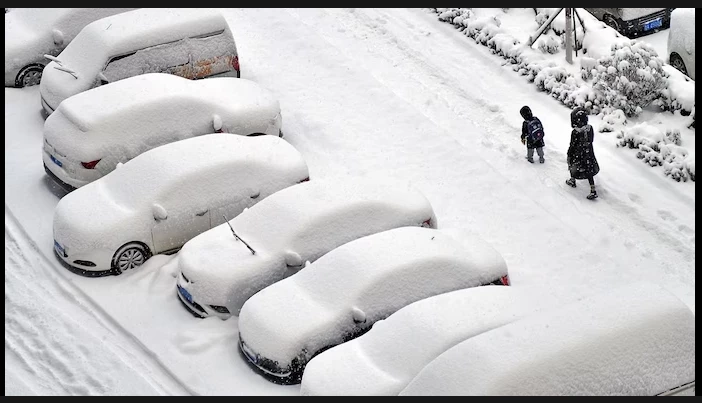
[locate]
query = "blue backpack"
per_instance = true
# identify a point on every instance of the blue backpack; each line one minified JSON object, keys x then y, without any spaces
{"x":535,"y":130}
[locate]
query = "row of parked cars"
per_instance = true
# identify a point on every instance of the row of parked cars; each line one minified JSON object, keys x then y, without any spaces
{"x":157,"y":160}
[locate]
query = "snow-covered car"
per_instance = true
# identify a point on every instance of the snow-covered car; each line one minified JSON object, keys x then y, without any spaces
{"x":31,"y":33}
{"x":93,"y":131}
{"x":383,"y":361}
{"x":681,"y":41}
{"x":223,"y":267}
{"x":159,"y":200}
{"x":633,"y":340}
{"x":632,"y":22}
{"x":191,"y":43}
{"x":342,"y":294}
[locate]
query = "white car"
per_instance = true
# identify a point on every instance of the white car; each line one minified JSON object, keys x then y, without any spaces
{"x":636,"y":340}
{"x":31,"y":33}
{"x":383,"y":361}
{"x":159,"y":200}
{"x":188,"y":42}
{"x":93,"y":131}
{"x":342,"y":294}
{"x":274,"y":239}
{"x":681,"y":41}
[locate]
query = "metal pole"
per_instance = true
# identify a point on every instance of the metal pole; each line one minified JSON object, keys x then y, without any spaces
{"x":568,"y":34}
{"x":543,"y":27}
{"x":575,"y":35}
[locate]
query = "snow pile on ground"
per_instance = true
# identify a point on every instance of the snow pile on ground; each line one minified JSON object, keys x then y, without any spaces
{"x":609,"y":72}
{"x":635,"y":340}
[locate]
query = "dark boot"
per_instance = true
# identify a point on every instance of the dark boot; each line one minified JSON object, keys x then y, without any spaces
{"x":571,"y":182}
{"x":593,"y":193}
{"x":530,"y":159}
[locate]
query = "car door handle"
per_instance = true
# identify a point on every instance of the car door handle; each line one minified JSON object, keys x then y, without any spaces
{"x":202,"y":213}
{"x":256,"y":195}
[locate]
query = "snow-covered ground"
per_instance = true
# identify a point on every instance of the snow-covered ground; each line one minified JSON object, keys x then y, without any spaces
{"x":362,"y":91}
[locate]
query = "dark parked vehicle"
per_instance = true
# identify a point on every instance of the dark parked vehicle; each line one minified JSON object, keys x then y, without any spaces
{"x":633,"y":22}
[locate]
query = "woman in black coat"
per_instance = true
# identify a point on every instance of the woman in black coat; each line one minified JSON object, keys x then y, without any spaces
{"x":581,"y":156}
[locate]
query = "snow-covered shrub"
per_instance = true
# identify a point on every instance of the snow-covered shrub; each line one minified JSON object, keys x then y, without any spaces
{"x":610,"y":118}
{"x":548,"y":44}
{"x":659,"y":149}
{"x":631,"y":77}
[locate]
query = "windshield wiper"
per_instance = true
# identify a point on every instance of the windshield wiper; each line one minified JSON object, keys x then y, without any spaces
{"x":67,"y":70}
{"x":54,"y":59}
{"x":253,"y":252}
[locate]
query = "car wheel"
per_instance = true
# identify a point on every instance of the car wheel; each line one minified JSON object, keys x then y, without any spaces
{"x":677,"y":62}
{"x":130,"y":256}
{"x":30,"y":75}
{"x":612,"y":22}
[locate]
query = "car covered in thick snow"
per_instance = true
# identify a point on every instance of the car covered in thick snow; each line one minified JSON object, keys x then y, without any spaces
{"x":383,"y":361}
{"x":223,"y":267}
{"x":31,"y":33}
{"x":681,"y":41}
{"x":342,"y":294}
{"x":635,"y":340}
{"x":93,"y":131}
{"x":188,"y":42}
{"x":159,"y":200}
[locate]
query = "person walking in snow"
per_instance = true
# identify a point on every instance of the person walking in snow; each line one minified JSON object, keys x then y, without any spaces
{"x":581,"y":156}
{"x":532,"y":134}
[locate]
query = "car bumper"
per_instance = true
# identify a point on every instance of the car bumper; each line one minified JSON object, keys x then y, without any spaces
{"x":268,"y":369}
{"x":79,"y":270}
{"x":200,"y":311}
{"x":638,"y":26}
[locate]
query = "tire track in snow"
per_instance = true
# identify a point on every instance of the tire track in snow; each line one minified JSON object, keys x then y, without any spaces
{"x":69,"y":351}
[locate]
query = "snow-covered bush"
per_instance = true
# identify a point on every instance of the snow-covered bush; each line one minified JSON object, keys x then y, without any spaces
{"x":660,"y":149}
{"x":548,"y":44}
{"x":610,"y":118}
{"x":631,"y":77}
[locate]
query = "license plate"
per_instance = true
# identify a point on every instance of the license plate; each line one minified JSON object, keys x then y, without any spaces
{"x":57,"y":162}
{"x":658,"y":22}
{"x":59,"y":248}
{"x":185,"y":294}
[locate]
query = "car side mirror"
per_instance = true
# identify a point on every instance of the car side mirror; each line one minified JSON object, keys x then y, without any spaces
{"x":102,"y":78}
{"x":57,"y":36}
{"x":293,"y":259}
{"x":159,"y":212}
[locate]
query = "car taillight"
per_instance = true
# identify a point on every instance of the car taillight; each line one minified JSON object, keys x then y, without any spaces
{"x":307,"y":179}
{"x":235,"y":62}
{"x":90,"y":165}
{"x":504,"y":279}
{"x":427,"y":223}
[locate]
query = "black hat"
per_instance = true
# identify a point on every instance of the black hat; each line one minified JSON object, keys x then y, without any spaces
{"x":526,"y":112}
{"x":578,"y":117}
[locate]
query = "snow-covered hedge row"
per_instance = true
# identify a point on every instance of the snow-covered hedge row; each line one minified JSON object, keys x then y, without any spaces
{"x":660,"y":149}
{"x":618,"y":78}
{"x":630,"y":77}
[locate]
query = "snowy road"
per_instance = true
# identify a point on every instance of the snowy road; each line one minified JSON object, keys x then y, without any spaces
{"x":363,"y":91}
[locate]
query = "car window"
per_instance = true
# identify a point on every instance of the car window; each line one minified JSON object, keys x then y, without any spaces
{"x":211,"y":54}
{"x":165,"y":58}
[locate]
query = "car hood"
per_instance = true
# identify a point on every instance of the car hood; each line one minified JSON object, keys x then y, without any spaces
{"x":88,"y":219}
{"x":221,"y":270}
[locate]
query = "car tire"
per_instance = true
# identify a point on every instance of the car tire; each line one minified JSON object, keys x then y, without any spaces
{"x":29,"y":75}
{"x":130,"y":256}
{"x":612,"y":22}
{"x":677,"y":62}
